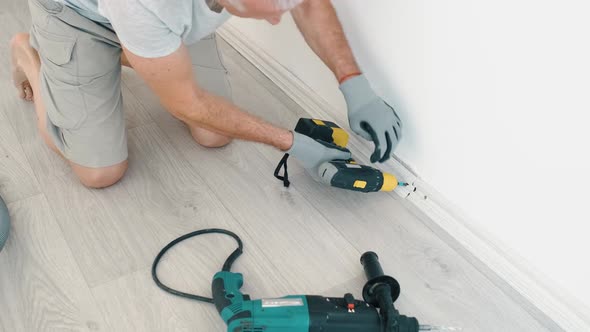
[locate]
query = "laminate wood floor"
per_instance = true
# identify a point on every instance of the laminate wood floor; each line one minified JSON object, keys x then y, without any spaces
{"x":79,"y":259}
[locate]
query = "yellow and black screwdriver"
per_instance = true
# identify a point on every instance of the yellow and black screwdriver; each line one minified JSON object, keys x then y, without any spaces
{"x":345,"y":174}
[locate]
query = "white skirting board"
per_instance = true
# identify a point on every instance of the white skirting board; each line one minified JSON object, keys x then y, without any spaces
{"x":518,"y":280}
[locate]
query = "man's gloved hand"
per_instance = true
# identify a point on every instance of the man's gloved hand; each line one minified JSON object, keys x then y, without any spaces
{"x":371,"y":117}
{"x":313,"y":153}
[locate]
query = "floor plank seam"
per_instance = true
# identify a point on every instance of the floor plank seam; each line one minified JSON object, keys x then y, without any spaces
{"x":22,"y":149}
{"x":26,"y":197}
{"x":61,"y":230}
{"x":70,"y":250}
{"x":119,"y":277}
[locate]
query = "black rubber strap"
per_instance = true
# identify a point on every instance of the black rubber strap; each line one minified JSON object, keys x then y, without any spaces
{"x":285,"y":176}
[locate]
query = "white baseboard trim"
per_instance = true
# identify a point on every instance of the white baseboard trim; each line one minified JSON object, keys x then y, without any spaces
{"x":508,"y":271}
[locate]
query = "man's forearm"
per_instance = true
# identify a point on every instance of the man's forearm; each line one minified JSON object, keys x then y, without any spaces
{"x":214,"y":113}
{"x":319,"y":24}
{"x":171,"y":78}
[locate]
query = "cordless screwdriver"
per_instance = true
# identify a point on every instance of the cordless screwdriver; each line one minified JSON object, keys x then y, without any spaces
{"x":345,"y":174}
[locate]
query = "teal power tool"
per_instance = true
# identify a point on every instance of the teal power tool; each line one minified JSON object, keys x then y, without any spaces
{"x":344,"y":174}
{"x":302,"y":313}
{"x":4,"y":223}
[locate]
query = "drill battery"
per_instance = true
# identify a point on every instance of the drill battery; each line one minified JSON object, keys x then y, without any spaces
{"x":322,"y":130}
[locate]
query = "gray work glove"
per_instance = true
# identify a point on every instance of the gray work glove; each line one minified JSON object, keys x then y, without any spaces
{"x":313,"y":153}
{"x":371,"y":117}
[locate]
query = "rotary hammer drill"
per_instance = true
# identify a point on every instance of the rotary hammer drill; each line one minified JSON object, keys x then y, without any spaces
{"x":305,"y":313}
{"x":302,"y":313}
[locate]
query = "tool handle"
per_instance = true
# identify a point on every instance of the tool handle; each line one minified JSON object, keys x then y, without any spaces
{"x":370,"y":262}
{"x":376,"y":277}
{"x":387,"y":310}
{"x":226,"y":290}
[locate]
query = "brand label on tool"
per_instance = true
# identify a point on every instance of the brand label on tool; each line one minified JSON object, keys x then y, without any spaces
{"x":275,"y":303}
{"x":353,"y":166}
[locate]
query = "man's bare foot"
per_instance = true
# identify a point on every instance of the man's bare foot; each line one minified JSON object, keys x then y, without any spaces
{"x":23,"y":56}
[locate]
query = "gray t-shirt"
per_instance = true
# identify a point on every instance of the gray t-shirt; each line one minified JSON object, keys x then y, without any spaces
{"x":153,"y":28}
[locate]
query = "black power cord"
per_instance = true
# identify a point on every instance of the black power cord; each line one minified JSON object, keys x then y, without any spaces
{"x":226,"y":266}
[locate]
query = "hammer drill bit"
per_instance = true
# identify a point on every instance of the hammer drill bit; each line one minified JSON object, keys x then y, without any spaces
{"x":438,"y":328}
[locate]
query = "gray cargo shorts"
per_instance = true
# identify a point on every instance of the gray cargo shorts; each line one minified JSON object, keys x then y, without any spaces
{"x":81,"y":82}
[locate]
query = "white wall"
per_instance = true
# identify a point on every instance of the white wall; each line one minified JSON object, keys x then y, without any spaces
{"x":495,"y":98}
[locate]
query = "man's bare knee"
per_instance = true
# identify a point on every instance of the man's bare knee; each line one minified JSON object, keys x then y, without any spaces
{"x":217,"y":142}
{"x":100,"y":177}
{"x":209,"y":139}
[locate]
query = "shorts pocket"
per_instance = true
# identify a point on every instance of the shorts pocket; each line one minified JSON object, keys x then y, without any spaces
{"x":65,"y":103}
{"x":60,"y":90}
{"x":54,"y":48}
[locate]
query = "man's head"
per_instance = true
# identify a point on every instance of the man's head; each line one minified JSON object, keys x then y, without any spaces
{"x":270,"y":10}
